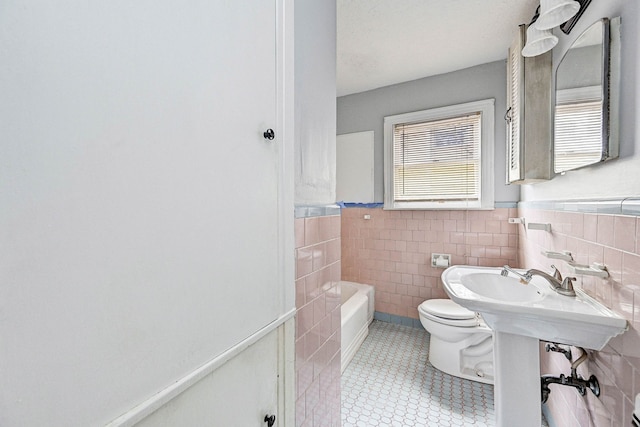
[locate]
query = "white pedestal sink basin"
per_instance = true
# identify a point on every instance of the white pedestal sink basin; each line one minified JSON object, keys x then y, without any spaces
{"x":500,"y":288}
{"x":520,"y":315}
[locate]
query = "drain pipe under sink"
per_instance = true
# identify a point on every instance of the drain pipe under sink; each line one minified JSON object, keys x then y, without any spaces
{"x":573,"y":380}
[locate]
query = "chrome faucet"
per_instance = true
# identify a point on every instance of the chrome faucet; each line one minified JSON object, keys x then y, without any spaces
{"x":557,"y":283}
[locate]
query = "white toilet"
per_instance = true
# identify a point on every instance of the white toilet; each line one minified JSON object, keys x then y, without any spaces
{"x":461,"y":343}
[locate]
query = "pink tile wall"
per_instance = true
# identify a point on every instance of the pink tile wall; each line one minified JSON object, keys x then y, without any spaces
{"x":392,"y":250}
{"x":614,"y":240}
{"x":318,"y":321}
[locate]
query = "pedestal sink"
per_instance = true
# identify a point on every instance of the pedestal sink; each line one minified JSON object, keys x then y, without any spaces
{"x":520,"y":315}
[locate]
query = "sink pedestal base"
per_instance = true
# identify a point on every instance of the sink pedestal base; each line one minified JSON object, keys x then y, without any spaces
{"x":517,"y":380}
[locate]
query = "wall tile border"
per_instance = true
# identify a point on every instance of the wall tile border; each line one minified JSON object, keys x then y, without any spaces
{"x":496,"y":205}
{"x":620,"y":206}
{"x":313,"y":211}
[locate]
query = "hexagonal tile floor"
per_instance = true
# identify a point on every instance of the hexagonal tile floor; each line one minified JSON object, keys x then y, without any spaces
{"x":389,"y":382}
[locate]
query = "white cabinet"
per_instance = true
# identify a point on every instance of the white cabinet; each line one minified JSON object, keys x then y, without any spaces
{"x":529,"y":115}
{"x":240,"y":393}
{"x":143,"y":216}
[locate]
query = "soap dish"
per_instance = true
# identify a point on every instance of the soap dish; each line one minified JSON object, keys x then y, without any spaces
{"x":595,"y":269}
{"x":564,"y":255}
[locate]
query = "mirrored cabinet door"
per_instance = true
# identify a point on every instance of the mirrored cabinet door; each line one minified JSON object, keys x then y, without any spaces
{"x":586,"y":116}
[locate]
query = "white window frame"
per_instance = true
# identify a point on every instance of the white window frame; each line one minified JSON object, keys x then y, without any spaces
{"x":486,"y":200}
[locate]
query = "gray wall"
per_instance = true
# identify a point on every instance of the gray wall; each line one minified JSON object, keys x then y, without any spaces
{"x":315,"y":102}
{"x":615,"y":178}
{"x":366,"y":111}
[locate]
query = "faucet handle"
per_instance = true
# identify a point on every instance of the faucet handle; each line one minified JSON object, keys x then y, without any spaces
{"x":556,"y":273}
{"x":505,"y":271}
{"x":566,"y":288}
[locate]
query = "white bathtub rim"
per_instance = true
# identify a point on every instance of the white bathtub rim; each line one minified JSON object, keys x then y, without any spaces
{"x":356,"y":315}
{"x":363,"y":288}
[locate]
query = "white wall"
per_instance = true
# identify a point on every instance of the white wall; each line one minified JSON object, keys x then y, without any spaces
{"x":620,"y":177}
{"x":354,"y":167}
{"x":366,"y":111}
{"x":315,"y":102}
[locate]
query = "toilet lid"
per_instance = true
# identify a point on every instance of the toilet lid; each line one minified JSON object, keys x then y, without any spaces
{"x":447,"y":309}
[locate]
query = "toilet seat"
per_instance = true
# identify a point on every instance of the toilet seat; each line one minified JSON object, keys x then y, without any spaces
{"x":448,"y":312}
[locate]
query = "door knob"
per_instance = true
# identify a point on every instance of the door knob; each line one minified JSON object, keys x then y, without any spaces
{"x":269,"y":134}
{"x":270,"y":420}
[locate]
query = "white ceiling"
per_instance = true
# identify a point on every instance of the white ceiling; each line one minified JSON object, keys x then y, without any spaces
{"x":383,"y":42}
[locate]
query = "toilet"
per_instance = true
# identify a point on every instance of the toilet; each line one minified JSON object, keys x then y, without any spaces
{"x":461,"y":343}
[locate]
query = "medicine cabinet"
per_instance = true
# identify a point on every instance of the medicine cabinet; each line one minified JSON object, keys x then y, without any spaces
{"x":587,"y":93}
{"x":529,"y":115}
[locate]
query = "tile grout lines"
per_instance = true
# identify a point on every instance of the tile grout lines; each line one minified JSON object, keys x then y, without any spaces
{"x":390,"y":383}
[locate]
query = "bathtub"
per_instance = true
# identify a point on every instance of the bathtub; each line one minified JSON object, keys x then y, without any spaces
{"x":356,"y":314}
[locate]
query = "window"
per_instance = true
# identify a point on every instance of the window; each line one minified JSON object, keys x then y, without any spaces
{"x":440,"y":158}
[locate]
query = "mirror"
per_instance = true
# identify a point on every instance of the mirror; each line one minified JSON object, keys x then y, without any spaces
{"x":586,"y":114}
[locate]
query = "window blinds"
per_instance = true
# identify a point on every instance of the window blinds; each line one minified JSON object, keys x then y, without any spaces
{"x":578,"y":135}
{"x":437,"y":160}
